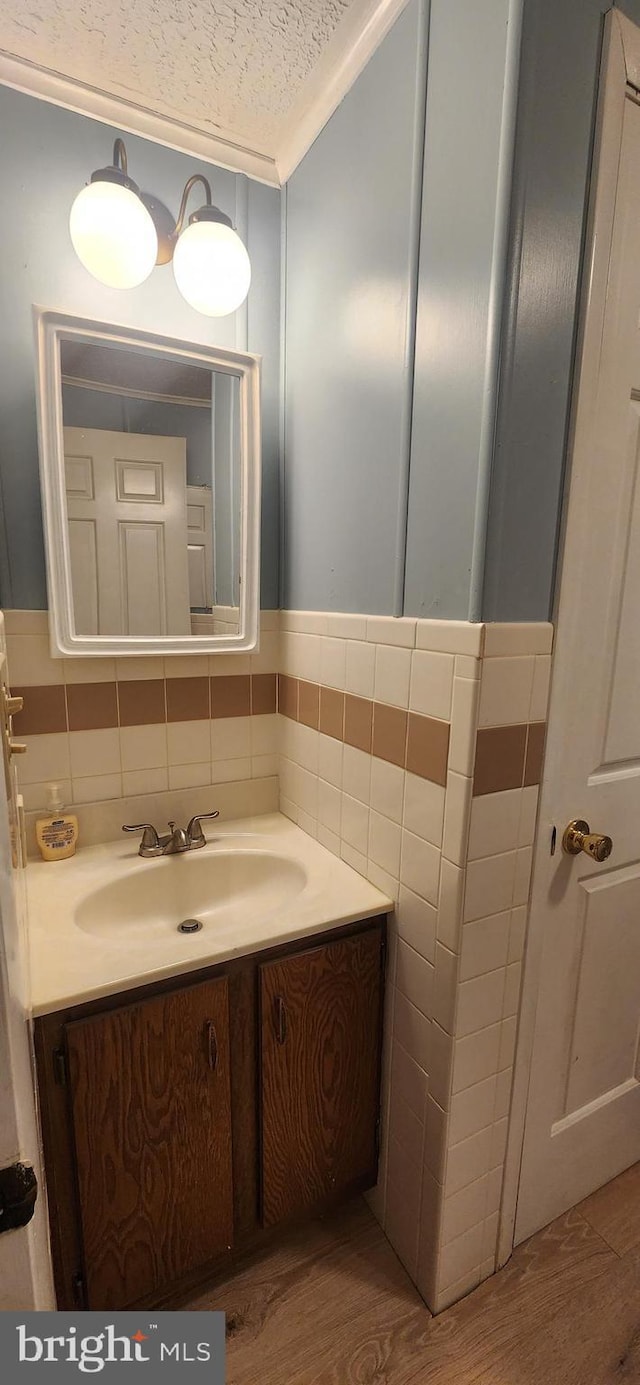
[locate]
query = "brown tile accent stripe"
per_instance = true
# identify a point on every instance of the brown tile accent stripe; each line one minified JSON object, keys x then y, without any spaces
{"x":331,"y":713}
{"x":231,"y":695}
{"x":188,"y":699}
{"x":535,"y":753}
{"x":390,"y":734}
{"x":508,"y":757}
{"x":264,"y":694}
{"x":142,"y":702}
{"x":45,"y":710}
{"x":428,"y":747}
{"x":288,"y":696}
{"x":407,"y":739}
{"x":309,"y":704}
{"x":92,"y":706}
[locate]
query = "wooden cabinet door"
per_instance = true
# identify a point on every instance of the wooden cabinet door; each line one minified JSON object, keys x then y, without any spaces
{"x":150,"y":1088}
{"x":320,"y":1029}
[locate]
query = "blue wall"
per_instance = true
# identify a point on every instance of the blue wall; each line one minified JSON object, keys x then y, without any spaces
{"x":351,"y":245}
{"x":347,"y":453}
{"x":558,"y":89}
{"x":46,"y":155}
{"x":391,"y":232}
{"x":460,"y":211}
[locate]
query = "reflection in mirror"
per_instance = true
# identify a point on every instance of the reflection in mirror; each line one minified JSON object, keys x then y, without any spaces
{"x":153,"y":492}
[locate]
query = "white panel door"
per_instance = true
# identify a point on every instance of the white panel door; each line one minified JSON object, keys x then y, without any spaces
{"x":200,"y":539}
{"x":127,"y":517}
{"x":583,"y":1112}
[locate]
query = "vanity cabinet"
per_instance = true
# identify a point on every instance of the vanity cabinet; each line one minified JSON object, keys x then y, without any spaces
{"x":183,"y":1121}
{"x":150,"y":1098}
{"x":319,"y":1039}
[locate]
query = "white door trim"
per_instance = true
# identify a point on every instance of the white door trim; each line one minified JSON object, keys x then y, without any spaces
{"x":620,"y":67}
{"x":630,"y":40}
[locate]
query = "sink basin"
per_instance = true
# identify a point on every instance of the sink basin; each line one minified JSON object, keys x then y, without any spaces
{"x":104,"y":921}
{"x":216,"y":888}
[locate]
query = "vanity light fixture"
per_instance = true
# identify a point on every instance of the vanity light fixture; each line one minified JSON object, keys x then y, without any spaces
{"x":210,"y":264}
{"x":120,"y":233}
{"x":112,"y":231}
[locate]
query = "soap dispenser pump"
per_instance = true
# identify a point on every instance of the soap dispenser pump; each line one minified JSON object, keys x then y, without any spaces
{"x":57,"y":834}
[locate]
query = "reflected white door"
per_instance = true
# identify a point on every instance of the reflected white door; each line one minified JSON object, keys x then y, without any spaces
{"x":200,"y":538}
{"x":127,"y":516}
{"x":583,"y":1113}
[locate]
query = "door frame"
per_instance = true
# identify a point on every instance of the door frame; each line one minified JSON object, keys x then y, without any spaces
{"x":620,"y":70}
{"x":25,"y":1262}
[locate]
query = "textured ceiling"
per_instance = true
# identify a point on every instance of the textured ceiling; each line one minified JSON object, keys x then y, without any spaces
{"x":236,"y":68}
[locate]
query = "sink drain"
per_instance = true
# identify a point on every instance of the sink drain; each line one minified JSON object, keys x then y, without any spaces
{"x":190,"y":926}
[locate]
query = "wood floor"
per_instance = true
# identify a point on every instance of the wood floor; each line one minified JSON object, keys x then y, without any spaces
{"x":331,"y":1305}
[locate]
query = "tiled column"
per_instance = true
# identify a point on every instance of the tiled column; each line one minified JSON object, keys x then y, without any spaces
{"x":412,"y":749}
{"x":495,"y":766}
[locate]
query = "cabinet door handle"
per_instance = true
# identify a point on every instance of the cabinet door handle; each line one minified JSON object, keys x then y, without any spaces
{"x":212,"y":1045}
{"x":281,"y":1019}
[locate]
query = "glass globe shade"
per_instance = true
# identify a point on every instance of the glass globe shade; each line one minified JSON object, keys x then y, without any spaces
{"x":113,"y":235}
{"x":212,"y":268}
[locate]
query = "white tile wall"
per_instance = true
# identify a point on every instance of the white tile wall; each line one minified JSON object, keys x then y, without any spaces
{"x":101,"y":820}
{"x":181,"y":753}
{"x":360,"y":666}
{"x":95,"y":766}
{"x":424,"y":808}
{"x":47,"y":759}
{"x":525,"y":638}
{"x":393,"y":675}
{"x":143,"y":781}
{"x":432,"y":684}
{"x":459,"y":870}
{"x":143,"y":747}
{"x":505,"y":696}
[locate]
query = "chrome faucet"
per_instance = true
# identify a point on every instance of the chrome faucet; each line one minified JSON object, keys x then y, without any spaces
{"x":175,"y":841}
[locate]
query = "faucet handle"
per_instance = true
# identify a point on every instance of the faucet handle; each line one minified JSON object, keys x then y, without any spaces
{"x":150,"y":844}
{"x":194,"y":831}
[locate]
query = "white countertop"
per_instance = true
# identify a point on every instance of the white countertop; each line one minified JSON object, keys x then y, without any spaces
{"x":71,"y":964}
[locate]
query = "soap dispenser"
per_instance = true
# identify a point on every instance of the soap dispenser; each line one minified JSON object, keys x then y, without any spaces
{"x":57,"y":834}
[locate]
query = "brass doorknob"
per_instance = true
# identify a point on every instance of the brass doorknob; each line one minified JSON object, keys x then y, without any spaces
{"x":579,"y":837}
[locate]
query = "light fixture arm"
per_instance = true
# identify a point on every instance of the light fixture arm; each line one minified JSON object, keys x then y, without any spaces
{"x":120,"y":155}
{"x":116,"y":172}
{"x":191,"y":183}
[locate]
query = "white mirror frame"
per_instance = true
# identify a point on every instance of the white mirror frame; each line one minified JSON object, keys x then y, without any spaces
{"x":50,"y":326}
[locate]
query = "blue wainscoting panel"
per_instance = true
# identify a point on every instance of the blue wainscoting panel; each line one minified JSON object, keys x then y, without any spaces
{"x":465,"y":94}
{"x":351,"y":248}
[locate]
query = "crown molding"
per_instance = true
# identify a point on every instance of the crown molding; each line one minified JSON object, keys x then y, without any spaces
{"x":358,"y":35}
{"x":221,"y":149}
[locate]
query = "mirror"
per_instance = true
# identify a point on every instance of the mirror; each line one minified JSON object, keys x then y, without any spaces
{"x":149,"y":463}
